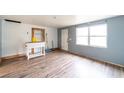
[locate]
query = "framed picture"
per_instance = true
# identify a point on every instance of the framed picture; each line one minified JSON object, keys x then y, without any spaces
{"x":38,"y":35}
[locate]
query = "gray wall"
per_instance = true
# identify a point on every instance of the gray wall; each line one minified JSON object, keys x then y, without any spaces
{"x":59,"y":38}
{"x":115,"y":50}
{"x":0,"y":39}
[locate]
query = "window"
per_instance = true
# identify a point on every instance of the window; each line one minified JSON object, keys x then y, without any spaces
{"x":98,"y":35}
{"x":95,"y":35}
{"x":82,"y":36}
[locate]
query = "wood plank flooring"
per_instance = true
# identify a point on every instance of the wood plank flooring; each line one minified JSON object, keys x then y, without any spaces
{"x":59,"y":64}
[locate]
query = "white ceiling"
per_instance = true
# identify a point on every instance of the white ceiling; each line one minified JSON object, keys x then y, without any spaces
{"x":57,"y":21}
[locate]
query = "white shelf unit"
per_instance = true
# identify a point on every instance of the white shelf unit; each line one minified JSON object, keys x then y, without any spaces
{"x":38,"y":49}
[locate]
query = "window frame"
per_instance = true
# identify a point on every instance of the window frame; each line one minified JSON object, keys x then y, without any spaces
{"x":89,"y":36}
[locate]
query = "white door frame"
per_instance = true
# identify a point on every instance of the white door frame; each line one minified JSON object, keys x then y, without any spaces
{"x":64,"y":39}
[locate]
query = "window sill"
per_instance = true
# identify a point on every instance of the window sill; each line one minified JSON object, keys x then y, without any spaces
{"x":91,"y":46}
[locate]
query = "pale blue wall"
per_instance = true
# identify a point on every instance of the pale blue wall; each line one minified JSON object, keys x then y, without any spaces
{"x":115,"y":51}
{"x":0,"y":37}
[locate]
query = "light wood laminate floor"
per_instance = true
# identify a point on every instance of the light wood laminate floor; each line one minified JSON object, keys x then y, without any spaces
{"x":59,"y":64}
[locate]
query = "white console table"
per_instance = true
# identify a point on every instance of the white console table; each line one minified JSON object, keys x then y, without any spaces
{"x":35,"y":49}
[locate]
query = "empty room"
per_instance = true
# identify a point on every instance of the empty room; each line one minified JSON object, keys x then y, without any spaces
{"x":61,"y":46}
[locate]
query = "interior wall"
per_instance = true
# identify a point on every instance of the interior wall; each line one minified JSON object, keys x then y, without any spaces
{"x":113,"y":53}
{"x":14,"y":37}
{"x":52,"y":37}
{"x":0,"y":38}
{"x":59,"y":38}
